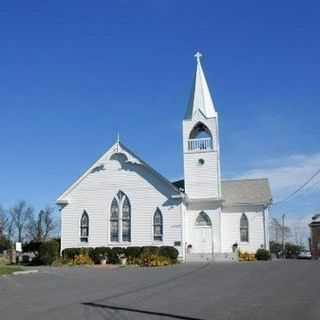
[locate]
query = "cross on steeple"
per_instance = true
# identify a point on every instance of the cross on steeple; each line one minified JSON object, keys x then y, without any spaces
{"x":198,"y":55}
{"x":200,"y":96}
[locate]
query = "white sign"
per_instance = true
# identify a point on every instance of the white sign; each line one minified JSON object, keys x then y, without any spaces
{"x":18,"y":246}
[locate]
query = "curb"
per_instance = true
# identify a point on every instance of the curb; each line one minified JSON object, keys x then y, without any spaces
{"x":25,"y":272}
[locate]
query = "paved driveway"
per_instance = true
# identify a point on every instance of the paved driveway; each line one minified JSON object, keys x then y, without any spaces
{"x":271,"y":290}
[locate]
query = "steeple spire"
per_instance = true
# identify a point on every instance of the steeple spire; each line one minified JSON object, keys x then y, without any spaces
{"x":200,"y":96}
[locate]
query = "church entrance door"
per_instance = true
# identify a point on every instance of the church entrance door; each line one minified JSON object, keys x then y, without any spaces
{"x":202,"y":240}
{"x":202,"y":234}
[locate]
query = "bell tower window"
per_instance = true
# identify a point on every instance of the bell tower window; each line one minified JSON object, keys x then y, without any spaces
{"x":200,"y":138}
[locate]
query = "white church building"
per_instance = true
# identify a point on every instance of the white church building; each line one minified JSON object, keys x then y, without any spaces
{"x":121,"y":201}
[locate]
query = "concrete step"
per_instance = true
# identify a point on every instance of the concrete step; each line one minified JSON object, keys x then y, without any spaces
{"x":208,"y":257}
{"x":226,"y":256}
{"x":199,"y":257}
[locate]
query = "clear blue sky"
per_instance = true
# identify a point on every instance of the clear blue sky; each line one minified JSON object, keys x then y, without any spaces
{"x":73,"y":73}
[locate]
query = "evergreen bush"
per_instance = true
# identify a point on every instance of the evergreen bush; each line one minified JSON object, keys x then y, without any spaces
{"x":263,"y":254}
{"x":133,"y":252}
{"x":150,"y":250}
{"x":169,"y":252}
{"x":48,"y":252}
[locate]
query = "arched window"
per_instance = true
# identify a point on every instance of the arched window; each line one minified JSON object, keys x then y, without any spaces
{"x":126,"y":220}
{"x":114,"y":221}
{"x":157,"y":226}
{"x":120,"y":218}
{"x":244,"y":228}
{"x":200,"y":130}
{"x":200,"y":138}
{"x":203,"y":219}
{"x":84,"y":227}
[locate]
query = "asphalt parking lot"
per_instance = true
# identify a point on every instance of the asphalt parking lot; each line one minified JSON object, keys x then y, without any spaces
{"x":263,"y":290}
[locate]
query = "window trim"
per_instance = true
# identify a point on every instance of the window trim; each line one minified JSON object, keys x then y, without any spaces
{"x":113,"y":219}
{"x":203,"y":215}
{"x":128,"y":219}
{"x":84,"y":238}
{"x":120,"y":199}
{"x":158,"y":237}
{"x":244,"y":219}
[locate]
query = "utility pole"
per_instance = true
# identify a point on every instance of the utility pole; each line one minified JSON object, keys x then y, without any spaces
{"x":283,"y":244}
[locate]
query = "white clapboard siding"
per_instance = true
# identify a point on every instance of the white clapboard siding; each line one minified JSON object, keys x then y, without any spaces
{"x":146,"y":193}
{"x":201,"y":180}
{"x":230,"y":227}
{"x":214,"y":215}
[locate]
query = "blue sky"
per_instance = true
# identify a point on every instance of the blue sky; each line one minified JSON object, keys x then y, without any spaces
{"x":73,"y":73}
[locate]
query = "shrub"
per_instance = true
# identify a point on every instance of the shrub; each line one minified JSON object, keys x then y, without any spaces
{"x":276,"y":248}
{"x":150,"y":250}
{"x":292,"y":250}
{"x":154,"y":261}
{"x":245,"y":256}
{"x":263,"y":254}
{"x":32,"y":246}
{"x":70,"y":253}
{"x":48,"y":252}
{"x":87,"y":252}
{"x":62,"y":262}
{"x":5,"y":243}
{"x":133,"y":252}
{"x":135,"y":255}
{"x":82,"y":259}
{"x":169,"y":252}
{"x":113,"y":255}
{"x":100,"y":253}
{"x":119,"y":250}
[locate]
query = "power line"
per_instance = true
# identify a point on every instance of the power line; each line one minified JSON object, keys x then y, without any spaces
{"x":299,"y":189}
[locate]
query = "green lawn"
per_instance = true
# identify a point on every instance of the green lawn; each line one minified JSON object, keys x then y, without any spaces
{"x":8,"y":269}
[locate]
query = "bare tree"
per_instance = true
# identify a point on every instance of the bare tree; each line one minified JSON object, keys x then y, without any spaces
{"x":3,"y":222}
{"x":41,"y":226}
{"x":276,"y":230}
{"x":20,"y":217}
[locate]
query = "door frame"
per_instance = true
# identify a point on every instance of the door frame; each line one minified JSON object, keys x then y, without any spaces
{"x":195,"y":227}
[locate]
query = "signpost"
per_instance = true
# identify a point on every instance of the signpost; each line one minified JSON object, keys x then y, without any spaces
{"x":18,"y":250}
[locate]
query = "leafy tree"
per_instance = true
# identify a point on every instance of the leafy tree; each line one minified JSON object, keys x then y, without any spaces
{"x":292,"y":250}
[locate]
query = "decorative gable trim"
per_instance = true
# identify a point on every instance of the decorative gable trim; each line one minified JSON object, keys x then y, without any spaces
{"x":98,"y":165}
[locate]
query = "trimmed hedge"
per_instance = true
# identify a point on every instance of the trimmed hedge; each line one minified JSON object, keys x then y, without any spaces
{"x":48,"y":252}
{"x":150,"y":250}
{"x":133,"y":252}
{"x":113,"y":254}
{"x":169,"y":252}
{"x":263,"y":254}
{"x":70,"y":253}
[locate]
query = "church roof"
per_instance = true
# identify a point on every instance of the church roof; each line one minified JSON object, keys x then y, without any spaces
{"x":242,"y":192}
{"x":117,"y":148}
{"x":315,"y":220}
{"x":200,"y":99}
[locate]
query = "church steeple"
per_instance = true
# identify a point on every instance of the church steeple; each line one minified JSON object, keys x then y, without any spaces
{"x":201,"y":142}
{"x":200,"y":99}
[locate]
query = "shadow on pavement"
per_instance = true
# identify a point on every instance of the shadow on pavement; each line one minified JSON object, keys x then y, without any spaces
{"x":168,"y":315}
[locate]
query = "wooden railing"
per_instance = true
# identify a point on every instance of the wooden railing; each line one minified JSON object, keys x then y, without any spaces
{"x":202,"y":144}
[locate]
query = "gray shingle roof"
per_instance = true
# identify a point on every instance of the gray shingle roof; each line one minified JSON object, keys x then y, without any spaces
{"x":242,"y":192}
{"x":246,"y":191}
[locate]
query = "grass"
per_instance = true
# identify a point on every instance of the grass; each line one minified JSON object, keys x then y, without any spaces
{"x":5,"y":270}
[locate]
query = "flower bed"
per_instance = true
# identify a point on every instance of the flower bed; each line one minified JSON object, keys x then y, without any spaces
{"x":149,"y":256}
